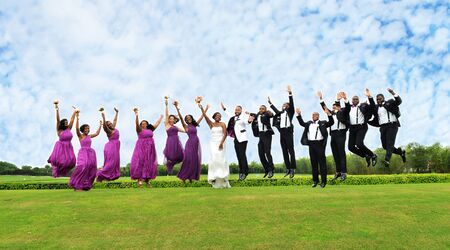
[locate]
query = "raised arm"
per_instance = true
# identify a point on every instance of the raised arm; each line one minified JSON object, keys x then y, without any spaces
{"x":202,"y":116}
{"x":158,"y":122}
{"x":115,"y":118}
{"x":291,"y":100}
{"x":227,"y":112}
{"x":138,"y":127}
{"x":98,"y":131}
{"x":106,"y":128}
{"x":322,"y":103}
{"x":397,"y":98}
{"x":77,"y":126}
{"x":273,"y":106}
{"x":299,"y":117}
{"x":225,"y":133}
{"x":166,"y":120}
{"x":210,"y":123}
{"x":175,"y":103}
{"x":58,"y":119}
{"x":72,"y":119}
{"x":330,"y":121}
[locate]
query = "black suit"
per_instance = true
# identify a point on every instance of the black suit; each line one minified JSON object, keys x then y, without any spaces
{"x":358,"y":132}
{"x":265,"y":140}
{"x":286,"y":133}
{"x":338,"y":138}
{"x":317,"y":148}
{"x":388,"y":131}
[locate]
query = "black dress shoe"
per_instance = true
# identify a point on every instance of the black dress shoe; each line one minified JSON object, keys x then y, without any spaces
{"x":314,"y":184}
{"x":386,"y":164}
{"x":343,"y":176}
{"x":374,"y":160}
{"x":368,"y":161}
{"x":240,"y":177}
{"x":291,"y":175}
{"x":322,"y":185}
{"x":265,"y":175}
{"x":403,"y":155}
{"x":336,"y":176}
{"x":270,"y":175}
{"x":244,"y":176}
{"x":287,"y":173}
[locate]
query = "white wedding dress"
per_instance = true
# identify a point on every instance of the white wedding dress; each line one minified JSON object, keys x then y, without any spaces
{"x":218,"y":169}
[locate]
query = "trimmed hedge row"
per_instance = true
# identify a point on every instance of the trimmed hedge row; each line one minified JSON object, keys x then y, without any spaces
{"x":302,"y":180}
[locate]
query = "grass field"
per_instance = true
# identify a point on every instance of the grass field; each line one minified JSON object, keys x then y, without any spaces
{"x":37,"y":179}
{"x":410,"y":216}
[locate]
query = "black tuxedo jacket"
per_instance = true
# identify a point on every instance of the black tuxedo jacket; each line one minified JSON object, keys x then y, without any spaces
{"x":265,"y":119}
{"x":290,"y":111}
{"x":342,"y":115}
{"x":366,"y":109}
{"x":323,"y":125}
{"x":391,"y":105}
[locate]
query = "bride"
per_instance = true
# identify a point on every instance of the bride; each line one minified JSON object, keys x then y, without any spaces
{"x":218,"y":170}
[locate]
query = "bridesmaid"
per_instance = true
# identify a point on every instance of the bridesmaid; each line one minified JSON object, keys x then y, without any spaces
{"x":84,"y":175}
{"x":173,"y":152}
{"x":191,"y":166}
{"x":111,"y":167}
{"x":62,"y":158}
{"x":144,"y":163}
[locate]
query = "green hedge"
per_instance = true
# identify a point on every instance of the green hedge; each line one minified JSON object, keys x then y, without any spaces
{"x":303,"y":180}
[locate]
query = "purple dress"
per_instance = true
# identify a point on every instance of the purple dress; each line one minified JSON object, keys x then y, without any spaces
{"x":62,"y":158}
{"x":173,"y":152}
{"x":191,"y":167}
{"x":144,"y":164}
{"x":111,"y":167}
{"x":84,"y":175}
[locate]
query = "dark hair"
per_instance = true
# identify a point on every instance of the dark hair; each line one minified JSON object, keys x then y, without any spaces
{"x":337,"y":103}
{"x":239,"y":106}
{"x":62,"y":125}
{"x":175,"y":119}
{"x":215,"y":114}
{"x":149,"y":126}
{"x":194,"y":122}
{"x":83,"y":127}
{"x":380,"y":95}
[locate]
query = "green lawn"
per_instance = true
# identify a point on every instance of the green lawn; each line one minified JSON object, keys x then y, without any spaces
{"x":40,"y":179}
{"x":410,"y":216}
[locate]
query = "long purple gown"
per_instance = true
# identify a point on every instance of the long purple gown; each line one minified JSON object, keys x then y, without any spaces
{"x":62,"y":158}
{"x":191,"y":166}
{"x":144,"y":163}
{"x":111,"y":167}
{"x":173,"y":152}
{"x":84,"y":175}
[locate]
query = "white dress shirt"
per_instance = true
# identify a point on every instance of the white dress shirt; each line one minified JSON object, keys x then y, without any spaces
{"x":337,"y":124}
{"x":385,"y":117}
{"x":314,"y":133}
{"x":285,"y":122}
{"x":261,"y":126}
{"x":356,"y":116}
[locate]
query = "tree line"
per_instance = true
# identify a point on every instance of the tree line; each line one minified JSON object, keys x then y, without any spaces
{"x":420,"y":159}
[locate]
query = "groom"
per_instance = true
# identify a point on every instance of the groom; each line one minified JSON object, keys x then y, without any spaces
{"x":236,"y":129}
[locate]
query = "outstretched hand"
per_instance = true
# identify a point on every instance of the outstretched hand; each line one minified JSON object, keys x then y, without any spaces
{"x":367,"y":92}
{"x":298,"y":111}
{"x":320,"y":95}
{"x":391,"y":91}
{"x":289,"y":89}
{"x":222,"y":106}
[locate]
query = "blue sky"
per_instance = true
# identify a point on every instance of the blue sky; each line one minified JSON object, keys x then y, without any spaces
{"x":132,"y":53}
